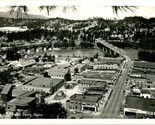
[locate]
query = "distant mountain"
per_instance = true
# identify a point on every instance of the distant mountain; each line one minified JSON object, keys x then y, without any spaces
{"x":30,"y":16}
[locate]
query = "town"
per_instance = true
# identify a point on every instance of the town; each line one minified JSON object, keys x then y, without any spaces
{"x":38,"y":82}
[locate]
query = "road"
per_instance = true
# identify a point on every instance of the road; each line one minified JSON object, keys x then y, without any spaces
{"x":113,"y":105}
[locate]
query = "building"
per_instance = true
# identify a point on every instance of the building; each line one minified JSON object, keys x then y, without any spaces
{"x":81,"y":102}
{"x":22,"y":64}
{"x":105,"y":66}
{"x":57,"y":72}
{"x":85,"y":83}
{"x":43,"y":84}
{"x":6,"y":94}
{"x":138,"y":81}
{"x":144,"y":108}
{"x":144,"y":66}
{"x":118,"y":60}
{"x":142,"y":81}
{"x":20,"y":102}
{"x":107,"y":77}
{"x":16,"y":92}
{"x":80,"y":67}
{"x":98,"y":89}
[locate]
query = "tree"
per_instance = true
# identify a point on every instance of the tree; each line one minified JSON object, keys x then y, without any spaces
{"x":96,"y":56}
{"x":46,"y":74}
{"x":37,"y":59}
{"x":67,"y":77}
{"x":91,"y":59}
{"x":18,"y":10}
{"x":76,"y":70}
{"x":47,"y":111}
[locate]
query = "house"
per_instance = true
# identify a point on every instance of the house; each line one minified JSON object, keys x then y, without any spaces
{"x":43,"y":84}
{"x":144,"y":108}
{"x":57,"y":72}
{"x":81,"y":102}
{"x":20,"y":102}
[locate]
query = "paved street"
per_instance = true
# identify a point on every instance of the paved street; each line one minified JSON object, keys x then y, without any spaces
{"x":112,"y":108}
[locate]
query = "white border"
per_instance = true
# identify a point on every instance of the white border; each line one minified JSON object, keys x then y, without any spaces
{"x":77,"y":122}
{"x":78,"y":2}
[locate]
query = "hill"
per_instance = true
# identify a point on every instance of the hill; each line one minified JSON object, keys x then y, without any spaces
{"x":30,"y":16}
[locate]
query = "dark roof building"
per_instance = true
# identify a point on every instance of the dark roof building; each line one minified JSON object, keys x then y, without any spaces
{"x":6,"y":94}
{"x":98,"y":89}
{"x":139,"y":106}
{"x":7,"y":88}
{"x":140,"y":64}
{"x":82,"y":102}
{"x":43,"y":84}
{"x":20,"y":103}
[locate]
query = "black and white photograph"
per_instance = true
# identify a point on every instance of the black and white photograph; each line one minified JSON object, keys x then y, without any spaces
{"x":77,"y":62}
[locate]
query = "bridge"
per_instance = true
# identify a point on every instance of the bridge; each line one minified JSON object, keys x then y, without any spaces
{"x":27,"y":47}
{"x":112,"y":49}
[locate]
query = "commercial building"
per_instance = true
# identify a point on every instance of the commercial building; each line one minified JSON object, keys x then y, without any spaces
{"x":81,"y":102}
{"x":6,"y":94}
{"x":20,"y":103}
{"x":138,"y":81}
{"x":57,"y":72}
{"x":98,"y":89}
{"x":85,"y":83}
{"x":107,"y":77}
{"x":144,"y":66}
{"x":105,"y":66}
{"x":117,"y":61}
{"x":142,"y":81}
{"x":144,"y":108}
{"x":22,"y":64}
{"x":80,"y":67}
{"x":43,"y":84}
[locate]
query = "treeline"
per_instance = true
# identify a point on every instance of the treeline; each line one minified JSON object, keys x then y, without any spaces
{"x":38,"y":33}
{"x":122,"y":44}
{"x":147,"y":43}
{"x":65,"y":43}
{"x":146,"y":56}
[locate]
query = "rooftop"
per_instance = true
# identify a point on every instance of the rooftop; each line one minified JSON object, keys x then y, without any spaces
{"x":19,"y":92}
{"x":88,"y":82}
{"x":57,"y":69}
{"x":85,"y":98}
{"x":101,"y":86}
{"x":112,"y":60}
{"x":21,"y":101}
{"x":44,"y":82}
{"x":104,"y":76}
{"x":141,"y":64}
{"x":6,"y":89}
{"x":145,"y":104}
{"x":77,"y":66}
{"x":22,"y":63}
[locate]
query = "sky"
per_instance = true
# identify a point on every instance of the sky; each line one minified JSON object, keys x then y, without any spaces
{"x":85,"y":12}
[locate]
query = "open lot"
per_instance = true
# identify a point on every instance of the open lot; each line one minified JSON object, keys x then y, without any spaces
{"x":68,"y":92}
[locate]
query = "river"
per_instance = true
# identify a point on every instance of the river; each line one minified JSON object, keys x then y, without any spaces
{"x":132,"y":53}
